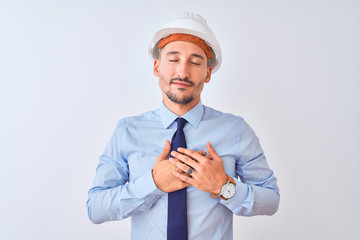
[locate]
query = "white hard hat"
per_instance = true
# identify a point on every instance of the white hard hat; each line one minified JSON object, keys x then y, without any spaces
{"x":188,"y":23}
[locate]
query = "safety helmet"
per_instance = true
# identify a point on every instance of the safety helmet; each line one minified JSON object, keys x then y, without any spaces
{"x":188,"y":23}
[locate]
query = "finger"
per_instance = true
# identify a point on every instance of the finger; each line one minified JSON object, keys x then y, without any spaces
{"x":203,"y":153}
{"x":180,"y":165}
{"x":192,"y":154}
{"x":185,"y":159}
{"x":166,"y":150}
{"x":184,"y":178}
{"x":212,"y":152}
{"x":174,"y":161}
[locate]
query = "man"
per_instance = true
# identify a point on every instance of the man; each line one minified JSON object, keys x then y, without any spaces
{"x":213,"y":167}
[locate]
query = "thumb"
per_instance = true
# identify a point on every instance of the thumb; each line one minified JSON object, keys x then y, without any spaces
{"x":166,"y":150}
{"x":212,"y":152}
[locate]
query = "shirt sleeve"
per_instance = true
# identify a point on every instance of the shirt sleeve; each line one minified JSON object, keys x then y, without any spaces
{"x":112,"y":196}
{"x":256,"y":191}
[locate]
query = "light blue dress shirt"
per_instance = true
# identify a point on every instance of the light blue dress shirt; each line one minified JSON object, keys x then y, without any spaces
{"x":124,"y":187}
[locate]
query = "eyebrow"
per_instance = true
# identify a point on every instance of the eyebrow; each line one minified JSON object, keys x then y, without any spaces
{"x":177,"y":52}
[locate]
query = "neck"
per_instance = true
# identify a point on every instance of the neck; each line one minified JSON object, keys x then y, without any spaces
{"x":180,"y":109}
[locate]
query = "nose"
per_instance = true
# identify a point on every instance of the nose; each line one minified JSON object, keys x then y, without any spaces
{"x":183,"y":70}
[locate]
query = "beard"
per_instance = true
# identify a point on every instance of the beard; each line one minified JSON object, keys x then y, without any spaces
{"x":175,"y":99}
{"x":185,"y":100}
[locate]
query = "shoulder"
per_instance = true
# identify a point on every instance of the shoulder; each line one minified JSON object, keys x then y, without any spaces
{"x":146,"y":117}
{"x":211,"y":113}
{"x":230,"y":120}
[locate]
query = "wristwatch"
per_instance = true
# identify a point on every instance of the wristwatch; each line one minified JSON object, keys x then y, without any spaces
{"x":227,"y":190}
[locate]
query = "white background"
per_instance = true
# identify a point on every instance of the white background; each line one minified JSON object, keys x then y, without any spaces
{"x":69,"y":70}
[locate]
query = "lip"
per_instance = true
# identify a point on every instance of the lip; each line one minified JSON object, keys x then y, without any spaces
{"x":181,"y":84}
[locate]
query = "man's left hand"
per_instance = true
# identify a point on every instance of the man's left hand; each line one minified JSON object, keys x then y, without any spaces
{"x":208,"y":174}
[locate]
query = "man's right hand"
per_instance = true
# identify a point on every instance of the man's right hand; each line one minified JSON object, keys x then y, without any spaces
{"x":162,"y":172}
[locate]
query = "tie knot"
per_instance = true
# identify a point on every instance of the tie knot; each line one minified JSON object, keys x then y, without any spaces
{"x":181,"y":123}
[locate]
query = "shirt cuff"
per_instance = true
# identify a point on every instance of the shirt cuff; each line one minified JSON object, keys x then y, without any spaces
{"x":241,"y":197}
{"x":146,"y":186}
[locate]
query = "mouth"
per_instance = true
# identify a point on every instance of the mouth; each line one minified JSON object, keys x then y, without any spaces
{"x":181,"y":84}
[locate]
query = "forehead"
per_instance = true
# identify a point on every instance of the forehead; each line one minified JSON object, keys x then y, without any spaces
{"x":182,"y":48}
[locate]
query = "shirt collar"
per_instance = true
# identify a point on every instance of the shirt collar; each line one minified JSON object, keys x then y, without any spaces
{"x":193,"y":116}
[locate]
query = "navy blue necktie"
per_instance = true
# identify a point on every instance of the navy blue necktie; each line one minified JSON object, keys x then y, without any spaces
{"x":177,"y":212}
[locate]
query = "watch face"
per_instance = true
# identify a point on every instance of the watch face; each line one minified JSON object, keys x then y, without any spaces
{"x":228,"y":190}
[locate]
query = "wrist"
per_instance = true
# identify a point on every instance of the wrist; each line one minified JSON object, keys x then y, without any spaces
{"x":222,"y":182}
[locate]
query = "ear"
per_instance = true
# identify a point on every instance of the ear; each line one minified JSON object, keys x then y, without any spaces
{"x":208,"y":76}
{"x":156,"y":67}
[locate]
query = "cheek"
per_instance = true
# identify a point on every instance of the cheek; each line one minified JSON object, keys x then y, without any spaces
{"x":200,"y":86}
{"x":165,"y":74}
{"x":164,"y":67}
{"x":201,"y":74}
{"x":163,"y":83}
